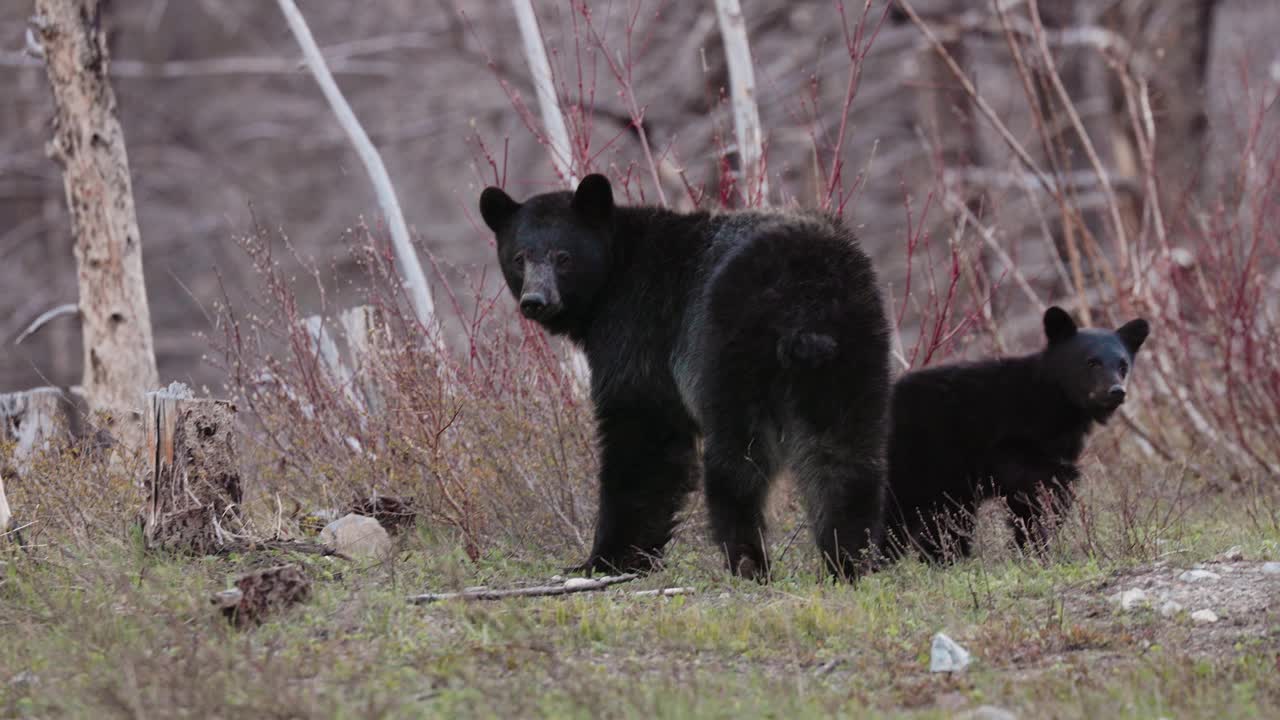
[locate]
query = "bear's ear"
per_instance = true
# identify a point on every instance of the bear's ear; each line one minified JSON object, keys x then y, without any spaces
{"x":497,"y":208}
{"x":1058,"y":325}
{"x":594,"y":198}
{"x":1133,"y":334}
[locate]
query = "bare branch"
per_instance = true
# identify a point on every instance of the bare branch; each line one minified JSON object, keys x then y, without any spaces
{"x":45,"y":317}
{"x":415,"y":281}
{"x":548,"y":102}
{"x":742,"y":95}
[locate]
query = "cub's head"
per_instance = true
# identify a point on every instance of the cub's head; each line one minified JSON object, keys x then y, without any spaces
{"x":1091,"y":366}
{"x":555,"y":249}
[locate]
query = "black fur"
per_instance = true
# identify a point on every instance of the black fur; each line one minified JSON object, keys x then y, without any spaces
{"x":1011,"y":427}
{"x":762,"y":332}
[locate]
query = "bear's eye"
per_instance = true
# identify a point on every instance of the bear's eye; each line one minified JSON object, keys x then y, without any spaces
{"x":1095,"y":362}
{"x":562,"y":259}
{"x":1124,"y":368}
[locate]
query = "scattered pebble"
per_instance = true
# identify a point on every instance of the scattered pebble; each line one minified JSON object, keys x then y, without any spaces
{"x":946,"y":655}
{"x":1130,"y":599}
{"x":1170,"y":608}
{"x":23,"y":679}
{"x":1204,"y":616}
{"x":574,"y":583}
{"x":1271,"y":568}
{"x":987,"y":712}
{"x":557,"y":578}
{"x":1198,"y":575}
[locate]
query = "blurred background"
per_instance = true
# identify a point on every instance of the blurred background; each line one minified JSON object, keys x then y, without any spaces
{"x":224,"y":126}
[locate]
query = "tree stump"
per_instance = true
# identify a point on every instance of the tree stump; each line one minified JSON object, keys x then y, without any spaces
{"x":194,"y":483}
{"x":31,"y":419}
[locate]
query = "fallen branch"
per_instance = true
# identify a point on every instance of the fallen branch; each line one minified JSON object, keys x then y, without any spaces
{"x":568,"y":587}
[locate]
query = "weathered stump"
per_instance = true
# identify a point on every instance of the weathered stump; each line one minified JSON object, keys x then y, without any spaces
{"x":194,"y":482}
{"x":32,"y":420}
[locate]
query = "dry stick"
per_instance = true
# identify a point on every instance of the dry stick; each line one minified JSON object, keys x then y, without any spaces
{"x":988,"y":238}
{"x":742,"y":95}
{"x":987,"y":111}
{"x":557,"y":135}
{"x":573,"y":585}
{"x":415,"y":281}
{"x":1056,"y":80}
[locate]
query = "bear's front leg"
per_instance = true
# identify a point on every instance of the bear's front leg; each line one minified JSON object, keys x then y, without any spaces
{"x":647,"y":470}
{"x":1036,"y":509}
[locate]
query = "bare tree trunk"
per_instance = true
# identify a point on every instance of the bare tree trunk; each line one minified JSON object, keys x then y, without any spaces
{"x":119,"y":359}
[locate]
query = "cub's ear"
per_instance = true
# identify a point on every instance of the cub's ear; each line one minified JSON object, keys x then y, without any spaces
{"x":497,"y":208}
{"x":594,"y":198}
{"x":1058,"y":325}
{"x":1133,"y":334}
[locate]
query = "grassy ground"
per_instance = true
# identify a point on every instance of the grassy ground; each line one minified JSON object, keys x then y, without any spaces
{"x":101,"y":629}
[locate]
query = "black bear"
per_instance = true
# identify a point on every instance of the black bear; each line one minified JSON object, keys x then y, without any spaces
{"x":763,"y":333}
{"x":1012,"y":427}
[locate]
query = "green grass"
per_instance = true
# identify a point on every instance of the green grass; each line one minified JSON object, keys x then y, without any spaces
{"x":110,"y":631}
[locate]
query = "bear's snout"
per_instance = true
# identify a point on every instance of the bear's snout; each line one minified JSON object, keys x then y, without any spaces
{"x":532,"y":304}
{"x":1116,"y":394}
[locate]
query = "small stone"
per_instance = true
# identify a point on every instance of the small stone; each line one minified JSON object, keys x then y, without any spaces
{"x":1198,"y":575}
{"x":987,"y":712}
{"x":1130,"y":599}
{"x":1170,"y":608}
{"x":1271,"y":568}
{"x":557,"y":578}
{"x":1204,"y":616}
{"x":946,"y":655}
{"x":26,"y":678}
{"x":1235,"y":553}
{"x":357,"y":536}
{"x":575,"y":583}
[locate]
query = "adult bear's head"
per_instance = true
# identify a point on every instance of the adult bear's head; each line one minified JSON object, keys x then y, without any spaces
{"x":1091,"y":365}
{"x":555,"y":249}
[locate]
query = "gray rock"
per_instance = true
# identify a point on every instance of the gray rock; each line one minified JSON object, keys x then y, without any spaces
{"x":1204,"y":617}
{"x":1130,"y":599}
{"x":1170,"y":608}
{"x":1271,"y":568}
{"x":1235,"y":553}
{"x":357,"y":536}
{"x":1198,"y":575}
{"x":946,"y":655}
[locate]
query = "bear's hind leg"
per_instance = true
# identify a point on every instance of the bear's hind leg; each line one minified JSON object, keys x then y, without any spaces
{"x":844,"y":498}
{"x":737,"y":475}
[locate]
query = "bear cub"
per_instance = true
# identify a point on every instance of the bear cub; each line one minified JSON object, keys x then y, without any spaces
{"x":761,"y":333}
{"x":1013,"y":428}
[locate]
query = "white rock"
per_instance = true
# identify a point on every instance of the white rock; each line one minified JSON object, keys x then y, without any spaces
{"x":1235,"y":553}
{"x":1271,"y":568}
{"x":357,"y":536}
{"x":575,"y":583}
{"x":1198,"y":575}
{"x":946,"y":655}
{"x":1170,"y":608}
{"x":557,"y":578}
{"x":987,"y":712}
{"x":1130,"y":599}
{"x":1205,"y":616}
